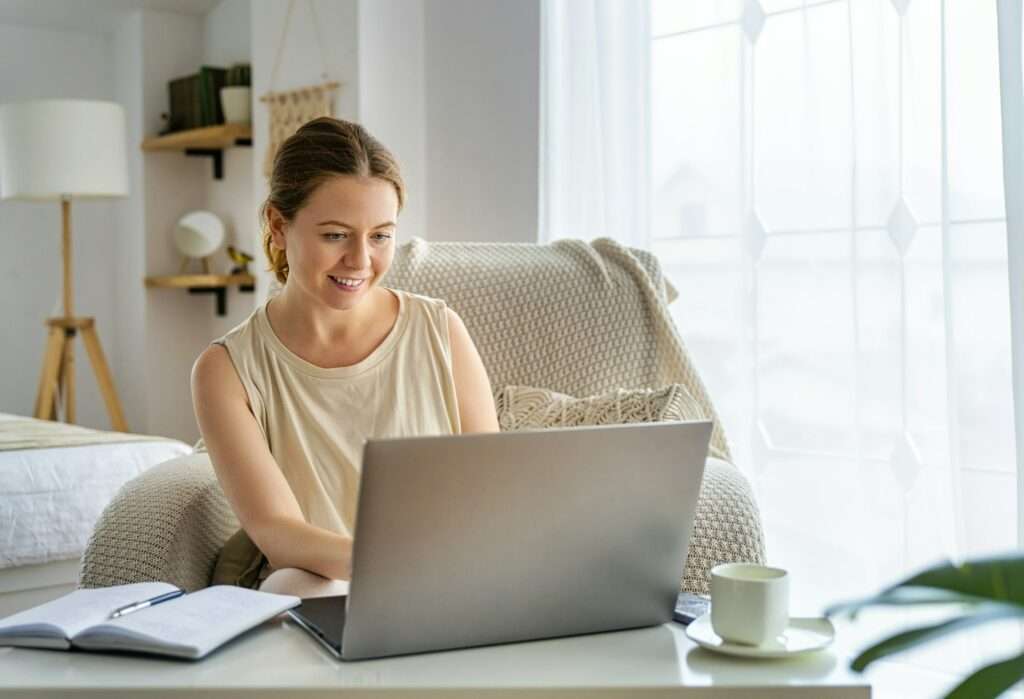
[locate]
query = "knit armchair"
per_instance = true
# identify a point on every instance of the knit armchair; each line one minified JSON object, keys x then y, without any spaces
{"x":574,"y":317}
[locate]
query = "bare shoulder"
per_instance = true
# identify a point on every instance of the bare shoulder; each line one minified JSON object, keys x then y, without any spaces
{"x":214,"y":373}
{"x":458,"y":336}
{"x":456,"y":328}
{"x":472,"y":386}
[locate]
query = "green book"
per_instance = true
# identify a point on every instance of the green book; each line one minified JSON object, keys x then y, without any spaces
{"x":211,"y":79}
{"x":179,"y":116}
{"x":195,"y":105}
{"x":205,"y":117}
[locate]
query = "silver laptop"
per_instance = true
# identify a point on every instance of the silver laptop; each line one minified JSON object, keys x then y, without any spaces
{"x":479,"y":539}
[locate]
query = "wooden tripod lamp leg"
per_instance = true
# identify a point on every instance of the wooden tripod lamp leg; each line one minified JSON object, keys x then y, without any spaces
{"x":67,"y":378}
{"x":49,"y":375}
{"x":104,"y":378}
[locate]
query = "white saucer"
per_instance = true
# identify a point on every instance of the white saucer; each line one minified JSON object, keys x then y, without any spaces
{"x":801,"y":635}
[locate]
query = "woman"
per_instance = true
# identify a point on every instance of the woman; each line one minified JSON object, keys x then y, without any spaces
{"x":285,"y":400}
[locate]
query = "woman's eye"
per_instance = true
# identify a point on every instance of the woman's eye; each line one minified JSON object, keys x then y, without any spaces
{"x":380,"y":237}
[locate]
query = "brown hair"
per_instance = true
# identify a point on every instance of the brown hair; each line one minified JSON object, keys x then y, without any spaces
{"x":321,"y":149}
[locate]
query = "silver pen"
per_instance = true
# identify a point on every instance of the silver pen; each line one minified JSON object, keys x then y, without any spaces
{"x":136,"y":606}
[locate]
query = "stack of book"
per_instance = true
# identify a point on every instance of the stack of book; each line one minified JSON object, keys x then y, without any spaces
{"x":195,"y":99}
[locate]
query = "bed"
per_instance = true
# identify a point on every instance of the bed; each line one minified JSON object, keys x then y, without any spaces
{"x":55,"y":480}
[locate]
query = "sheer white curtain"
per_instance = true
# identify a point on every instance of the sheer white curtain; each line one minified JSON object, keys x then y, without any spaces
{"x":1011,"y":89}
{"x":827,"y":195}
{"x":594,"y":140}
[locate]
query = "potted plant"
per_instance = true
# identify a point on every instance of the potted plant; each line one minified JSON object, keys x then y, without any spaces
{"x":236,"y":95}
{"x":981,"y":591}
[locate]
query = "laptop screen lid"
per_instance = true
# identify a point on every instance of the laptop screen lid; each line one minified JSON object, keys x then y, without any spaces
{"x":477,"y":539}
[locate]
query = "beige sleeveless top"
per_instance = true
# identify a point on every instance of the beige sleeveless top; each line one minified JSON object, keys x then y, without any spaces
{"x":315,"y":420}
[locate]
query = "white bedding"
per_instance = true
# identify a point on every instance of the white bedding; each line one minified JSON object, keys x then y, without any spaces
{"x":51,"y":498}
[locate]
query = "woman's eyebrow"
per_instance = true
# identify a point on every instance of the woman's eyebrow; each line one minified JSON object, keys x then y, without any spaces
{"x":345,"y":225}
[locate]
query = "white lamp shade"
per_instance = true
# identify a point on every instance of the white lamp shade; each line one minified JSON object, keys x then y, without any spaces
{"x":50,"y":149}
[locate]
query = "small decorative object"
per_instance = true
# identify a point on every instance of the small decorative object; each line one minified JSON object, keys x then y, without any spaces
{"x":198,"y":235}
{"x":236,"y":95}
{"x":292,"y":108}
{"x":239,"y":75}
{"x":977,"y":592}
{"x":241,"y":260}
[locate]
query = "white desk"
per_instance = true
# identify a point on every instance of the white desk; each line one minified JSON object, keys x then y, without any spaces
{"x":280,"y":660}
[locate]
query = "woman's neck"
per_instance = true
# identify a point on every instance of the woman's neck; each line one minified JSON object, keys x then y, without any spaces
{"x":308,"y":323}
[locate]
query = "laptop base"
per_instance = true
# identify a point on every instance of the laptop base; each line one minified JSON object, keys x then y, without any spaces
{"x":324,"y":619}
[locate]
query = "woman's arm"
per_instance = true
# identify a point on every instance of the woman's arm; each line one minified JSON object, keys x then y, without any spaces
{"x":252,"y":480}
{"x":472,"y":387}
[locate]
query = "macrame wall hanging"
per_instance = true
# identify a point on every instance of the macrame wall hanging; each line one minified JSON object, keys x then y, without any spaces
{"x":290,"y":109}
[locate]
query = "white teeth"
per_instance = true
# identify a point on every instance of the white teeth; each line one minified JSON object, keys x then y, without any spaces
{"x":351,"y":283}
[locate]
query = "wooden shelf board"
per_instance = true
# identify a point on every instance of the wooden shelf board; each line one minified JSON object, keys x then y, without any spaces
{"x":208,"y":137}
{"x":185,"y":281}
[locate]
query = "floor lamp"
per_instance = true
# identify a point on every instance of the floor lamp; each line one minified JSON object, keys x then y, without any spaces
{"x":59,"y":150}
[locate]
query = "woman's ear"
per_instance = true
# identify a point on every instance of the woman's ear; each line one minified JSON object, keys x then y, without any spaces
{"x":277,"y":225}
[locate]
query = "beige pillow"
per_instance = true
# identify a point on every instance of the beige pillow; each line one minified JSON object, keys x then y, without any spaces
{"x":526,"y":407}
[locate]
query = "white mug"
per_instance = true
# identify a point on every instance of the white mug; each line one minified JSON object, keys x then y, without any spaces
{"x":749,"y":602}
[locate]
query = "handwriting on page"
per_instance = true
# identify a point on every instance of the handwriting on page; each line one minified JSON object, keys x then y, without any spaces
{"x":83,"y":608}
{"x":205,"y":618}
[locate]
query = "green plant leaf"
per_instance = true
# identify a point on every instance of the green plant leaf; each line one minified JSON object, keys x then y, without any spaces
{"x":988,"y":588}
{"x":907,"y":639}
{"x":900,"y":597}
{"x":999,"y":578}
{"x":990,"y":681}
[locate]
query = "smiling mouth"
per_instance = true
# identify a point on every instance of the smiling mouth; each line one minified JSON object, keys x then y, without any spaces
{"x":348,"y":284}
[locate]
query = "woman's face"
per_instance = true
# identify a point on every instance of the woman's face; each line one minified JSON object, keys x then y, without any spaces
{"x":342,"y":241}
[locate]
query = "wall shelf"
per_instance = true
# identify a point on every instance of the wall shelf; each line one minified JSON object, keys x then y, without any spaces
{"x":216,"y":284}
{"x":222,"y":136}
{"x":209,"y":141}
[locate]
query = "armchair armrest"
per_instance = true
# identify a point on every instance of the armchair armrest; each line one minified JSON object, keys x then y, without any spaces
{"x":727,"y":527}
{"x":167,"y":524}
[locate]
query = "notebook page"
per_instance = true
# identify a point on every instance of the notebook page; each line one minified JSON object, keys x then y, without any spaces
{"x":190,"y":626}
{"x":68,"y":615}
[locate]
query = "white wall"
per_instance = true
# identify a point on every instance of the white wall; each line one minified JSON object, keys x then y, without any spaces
{"x":40,"y":63}
{"x":129,"y":362}
{"x":227,"y":34}
{"x":482,"y":65}
{"x":392,"y":96}
{"x":301,"y":64}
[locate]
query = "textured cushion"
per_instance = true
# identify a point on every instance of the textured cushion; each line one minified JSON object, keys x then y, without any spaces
{"x":526,"y":407}
{"x":727,"y":525}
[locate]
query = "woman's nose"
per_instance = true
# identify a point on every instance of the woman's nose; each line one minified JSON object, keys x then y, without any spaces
{"x":357,"y":256}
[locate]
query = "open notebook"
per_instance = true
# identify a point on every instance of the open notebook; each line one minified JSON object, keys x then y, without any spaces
{"x":189,"y":626}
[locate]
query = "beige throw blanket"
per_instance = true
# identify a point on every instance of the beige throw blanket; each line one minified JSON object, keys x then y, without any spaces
{"x":17,"y":432}
{"x":575,"y":317}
